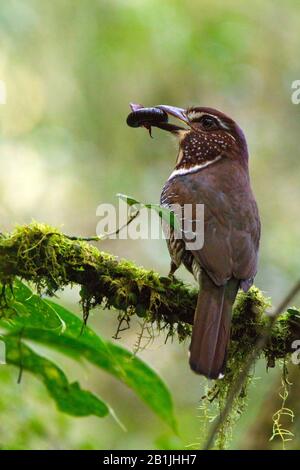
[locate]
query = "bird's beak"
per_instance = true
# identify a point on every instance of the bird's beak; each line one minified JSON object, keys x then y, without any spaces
{"x":179,"y":113}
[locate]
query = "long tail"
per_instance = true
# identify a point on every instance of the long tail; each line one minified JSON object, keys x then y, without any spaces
{"x":211,"y":330}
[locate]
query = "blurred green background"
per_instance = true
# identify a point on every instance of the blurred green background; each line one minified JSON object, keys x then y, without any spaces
{"x":70,"y":68}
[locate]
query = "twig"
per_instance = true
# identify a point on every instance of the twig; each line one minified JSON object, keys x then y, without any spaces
{"x":252,"y":356}
{"x":287,"y":299}
{"x":21,"y":356}
{"x":107,"y":235}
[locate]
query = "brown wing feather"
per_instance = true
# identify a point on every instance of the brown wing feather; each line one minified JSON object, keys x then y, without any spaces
{"x":231,"y":224}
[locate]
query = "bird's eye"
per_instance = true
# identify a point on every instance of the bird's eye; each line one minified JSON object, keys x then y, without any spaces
{"x":207,"y":122}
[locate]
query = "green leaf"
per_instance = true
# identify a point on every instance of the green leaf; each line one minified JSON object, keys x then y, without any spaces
{"x":293,"y":314}
{"x":24,"y":308}
{"x":69,"y":397}
{"x":110,"y":357}
{"x":130,"y":201}
{"x":293,"y":311}
{"x":163,"y":212}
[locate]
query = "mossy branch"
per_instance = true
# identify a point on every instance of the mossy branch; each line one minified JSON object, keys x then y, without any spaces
{"x":50,"y":260}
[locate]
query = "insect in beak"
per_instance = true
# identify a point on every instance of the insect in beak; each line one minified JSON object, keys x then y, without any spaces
{"x":155,"y":117}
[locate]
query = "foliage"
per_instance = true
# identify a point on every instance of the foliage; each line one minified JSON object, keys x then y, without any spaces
{"x":51,"y":260}
{"x":26,"y":316}
{"x":165,"y":214}
{"x":70,"y":398}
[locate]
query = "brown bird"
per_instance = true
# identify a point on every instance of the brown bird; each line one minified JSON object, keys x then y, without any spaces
{"x":212,"y":169}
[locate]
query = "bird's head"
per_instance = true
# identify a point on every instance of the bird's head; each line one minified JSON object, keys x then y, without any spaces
{"x":209,"y":135}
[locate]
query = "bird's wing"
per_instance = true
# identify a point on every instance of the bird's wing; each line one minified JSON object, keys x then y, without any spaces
{"x":231,"y":222}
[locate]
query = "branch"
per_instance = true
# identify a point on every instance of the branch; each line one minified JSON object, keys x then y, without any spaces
{"x":236,"y":387}
{"x":107,"y":235}
{"x":51,"y":260}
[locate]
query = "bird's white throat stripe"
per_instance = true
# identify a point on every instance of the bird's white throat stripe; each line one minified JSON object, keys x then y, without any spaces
{"x":194,"y":168}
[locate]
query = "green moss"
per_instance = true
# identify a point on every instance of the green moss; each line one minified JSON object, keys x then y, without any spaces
{"x":50,"y":260}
